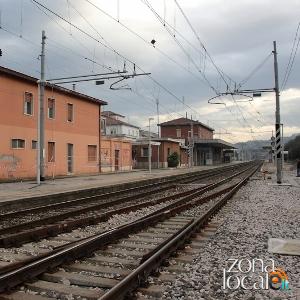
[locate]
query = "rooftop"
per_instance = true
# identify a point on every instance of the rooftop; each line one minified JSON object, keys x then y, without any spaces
{"x":214,"y":142}
{"x":184,"y":121}
{"x":113,"y":121}
{"x":108,"y":113}
{"x":12,"y":73}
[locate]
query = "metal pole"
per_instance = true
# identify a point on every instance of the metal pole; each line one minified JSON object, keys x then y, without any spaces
{"x":192,"y":143}
{"x":41,"y":117}
{"x":282,"y":148}
{"x":157,"y":108}
{"x":149,"y":147}
{"x":277,"y":124}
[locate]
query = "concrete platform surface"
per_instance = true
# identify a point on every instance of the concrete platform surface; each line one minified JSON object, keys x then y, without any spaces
{"x":26,"y":189}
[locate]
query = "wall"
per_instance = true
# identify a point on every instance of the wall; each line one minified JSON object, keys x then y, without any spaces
{"x":142,"y":162}
{"x":21,"y":163}
{"x":122,"y":130}
{"x":108,"y":159}
{"x":198,"y":130}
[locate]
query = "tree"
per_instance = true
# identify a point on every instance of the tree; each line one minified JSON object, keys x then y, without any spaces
{"x":173,"y":160}
{"x":293,"y":146}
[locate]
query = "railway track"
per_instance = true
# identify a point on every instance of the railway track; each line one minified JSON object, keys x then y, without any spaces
{"x":19,"y":228}
{"x":112,"y":264}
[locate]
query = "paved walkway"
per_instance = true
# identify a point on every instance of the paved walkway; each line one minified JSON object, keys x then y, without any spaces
{"x":27,"y":189}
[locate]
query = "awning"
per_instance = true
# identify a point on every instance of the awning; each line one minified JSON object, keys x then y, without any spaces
{"x":214,"y":143}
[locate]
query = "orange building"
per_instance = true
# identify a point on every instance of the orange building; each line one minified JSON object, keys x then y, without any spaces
{"x":115,"y":154}
{"x":72,"y":129}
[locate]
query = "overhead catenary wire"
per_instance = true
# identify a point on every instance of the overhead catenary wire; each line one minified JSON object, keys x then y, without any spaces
{"x":148,"y":43}
{"x":108,"y":47}
{"x":181,"y":46}
{"x":222,"y":74}
{"x":291,"y":58}
{"x":259,"y":66}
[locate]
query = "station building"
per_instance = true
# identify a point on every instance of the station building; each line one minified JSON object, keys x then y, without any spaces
{"x":116,"y":142}
{"x":72,"y":129}
{"x":161,"y":148}
{"x":206,"y":149}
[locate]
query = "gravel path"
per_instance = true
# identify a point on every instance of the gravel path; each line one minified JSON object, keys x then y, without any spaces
{"x":258,"y":212}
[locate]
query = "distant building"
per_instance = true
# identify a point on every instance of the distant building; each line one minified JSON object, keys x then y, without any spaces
{"x":114,"y":124}
{"x":181,"y":129}
{"x":116,"y":154}
{"x":72,"y":129}
{"x":206,"y":149}
{"x":145,"y":134}
{"x":161,"y":148}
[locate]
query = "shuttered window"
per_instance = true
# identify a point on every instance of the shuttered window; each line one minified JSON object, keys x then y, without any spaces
{"x":51,"y":108}
{"x":92,"y":153}
{"x":70,"y":112}
{"x":28,"y":103}
{"x":51,"y":152}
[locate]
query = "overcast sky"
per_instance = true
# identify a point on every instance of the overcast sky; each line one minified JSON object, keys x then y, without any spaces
{"x":238,"y":36}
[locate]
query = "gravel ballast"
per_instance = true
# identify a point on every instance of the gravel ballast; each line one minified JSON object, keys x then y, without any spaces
{"x":259,"y":211}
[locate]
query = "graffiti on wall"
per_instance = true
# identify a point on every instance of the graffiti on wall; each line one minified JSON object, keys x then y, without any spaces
{"x":9,"y":164}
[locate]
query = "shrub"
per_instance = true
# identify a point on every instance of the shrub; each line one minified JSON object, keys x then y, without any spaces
{"x":173,"y":160}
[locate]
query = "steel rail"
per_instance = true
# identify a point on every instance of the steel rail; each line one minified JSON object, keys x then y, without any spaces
{"x":12,"y":236}
{"x":140,"y":274}
{"x":19,"y":238}
{"x":82,"y":248}
{"x":80,"y":200}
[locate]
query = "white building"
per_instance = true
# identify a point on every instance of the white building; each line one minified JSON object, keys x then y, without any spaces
{"x":114,"y":124}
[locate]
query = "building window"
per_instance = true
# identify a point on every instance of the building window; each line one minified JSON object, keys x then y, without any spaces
{"x":18,"y":144}
{"x":51,"y":108}
{"x":178,"y":133}
{"x":169,"y":151}
{"x":145,"y":152}
{"x":51,"y":151}
{"x":103,"y":126}
{"x":70,"y":116}
{"x":92,"y":153}
{"x":28,"y":104}
{"x":33,"y":144}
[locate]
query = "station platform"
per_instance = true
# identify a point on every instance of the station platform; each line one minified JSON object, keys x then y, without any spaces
{"x":28,"y":189}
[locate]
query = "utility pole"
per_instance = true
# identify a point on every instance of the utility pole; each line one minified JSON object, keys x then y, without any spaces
{"x":158,"y":132}
{"x":278,"y":148}
{"x":41,"y":118}
{"x":192,"y":143}
{"x":149,"y":146}
{"x":273,"y":147}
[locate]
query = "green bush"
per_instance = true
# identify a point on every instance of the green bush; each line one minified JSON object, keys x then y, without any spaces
{"x":173,"y":160}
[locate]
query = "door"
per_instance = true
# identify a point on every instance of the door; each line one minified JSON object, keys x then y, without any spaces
{"x":70,"y":158}
{"x":117,"y":153}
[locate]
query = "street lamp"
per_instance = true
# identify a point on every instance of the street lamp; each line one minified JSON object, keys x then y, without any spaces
{"x":149,"y":146}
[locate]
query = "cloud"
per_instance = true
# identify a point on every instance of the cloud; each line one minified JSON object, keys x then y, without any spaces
{"x":238,"y":35}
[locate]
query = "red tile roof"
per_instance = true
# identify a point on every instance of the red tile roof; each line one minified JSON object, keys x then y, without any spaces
{"x":113,"y":121}
{"x":24,"y":77}
{"x":184,"y":121}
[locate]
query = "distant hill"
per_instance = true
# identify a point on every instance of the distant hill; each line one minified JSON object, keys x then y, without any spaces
{"x":258,"y":144}
{"x":254,"y":149}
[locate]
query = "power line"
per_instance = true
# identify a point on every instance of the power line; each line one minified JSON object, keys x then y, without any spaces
{"x":260,"y":65}
{"x":180,"y":45}
{"x":221,"y":73}
{"x":148,"y":43}
{"x":291,"y":59}
{"x":108,"y":47}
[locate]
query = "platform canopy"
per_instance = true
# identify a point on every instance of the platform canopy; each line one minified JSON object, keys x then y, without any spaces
{"x":214,"y":143}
